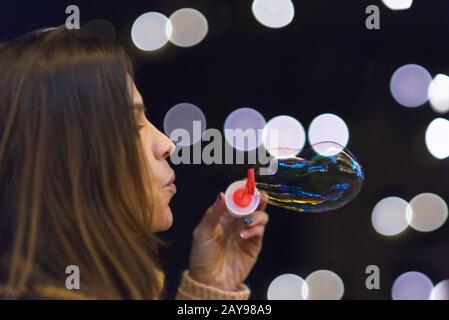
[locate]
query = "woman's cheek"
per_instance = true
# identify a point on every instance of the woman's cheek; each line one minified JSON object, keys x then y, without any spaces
{"x":146,"y":146}
{"x":145,"y":141}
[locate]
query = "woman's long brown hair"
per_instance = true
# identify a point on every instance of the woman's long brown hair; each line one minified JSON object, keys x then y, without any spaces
{"x":73,"y":187}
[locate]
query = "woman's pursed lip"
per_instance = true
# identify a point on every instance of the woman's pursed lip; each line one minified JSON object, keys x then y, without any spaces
{"x":171,"y":185}
{"x":172,"y":181}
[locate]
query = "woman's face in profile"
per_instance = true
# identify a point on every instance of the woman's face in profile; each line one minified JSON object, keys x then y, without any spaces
{"x":157,"y":148}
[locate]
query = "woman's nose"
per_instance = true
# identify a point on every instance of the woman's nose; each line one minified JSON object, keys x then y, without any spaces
{"x":171,"y":148}
{"x":166,"y":146}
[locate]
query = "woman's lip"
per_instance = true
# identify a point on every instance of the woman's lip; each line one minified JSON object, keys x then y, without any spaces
{"x":172,"y":187}
{"x":172,"y":181}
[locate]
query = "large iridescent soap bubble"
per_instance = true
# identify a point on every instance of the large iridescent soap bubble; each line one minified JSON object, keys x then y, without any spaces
{"x":320,"y":178}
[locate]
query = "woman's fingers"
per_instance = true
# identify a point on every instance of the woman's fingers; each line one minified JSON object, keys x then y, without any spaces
{"x":256,"y":231}
{"x":263,"y":202}
{"x":257,"y":218}
{"x":256,"y":227}
{"x":207,"y":227}
{"x":208,"y":224}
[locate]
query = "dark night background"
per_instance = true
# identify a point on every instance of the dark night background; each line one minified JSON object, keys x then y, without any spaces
{"x":324,"y":61}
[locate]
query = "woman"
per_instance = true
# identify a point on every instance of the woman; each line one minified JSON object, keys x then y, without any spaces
{"x":84,"y":181}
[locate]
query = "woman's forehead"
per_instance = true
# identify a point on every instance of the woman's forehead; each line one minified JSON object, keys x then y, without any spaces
{"x":136,"y":96}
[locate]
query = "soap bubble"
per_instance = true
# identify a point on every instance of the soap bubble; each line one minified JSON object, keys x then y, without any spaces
{"x":312,"y":181}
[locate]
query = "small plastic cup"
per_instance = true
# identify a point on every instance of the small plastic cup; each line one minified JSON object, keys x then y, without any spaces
{"x":237,"y":210}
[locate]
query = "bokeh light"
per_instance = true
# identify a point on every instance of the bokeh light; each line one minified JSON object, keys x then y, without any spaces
{"x":329,"y":149}
{"x":412,"y":286}
{"x":440,"y":291}
{"x":99,"y":28}
{"x":287,"y":287}
{"x":439,"y":93}
{"x":410,"y":84}
{"x":389,"y":216}
{"x":324,"y":285}
{"x":188,"y":117}
{"x":398,"y":4}
{"x":190,"y":27}
{"x":151,"y":31}
{"x":427,"y":212}
{"x":284,"y":137}
{"x":245,"y":119}
{"x":274,"y":14}
{"x":329,"y":127}
{"x":437,"y":141}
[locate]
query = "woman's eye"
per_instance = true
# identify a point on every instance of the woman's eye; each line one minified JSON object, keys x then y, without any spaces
{"x":140,"y":127}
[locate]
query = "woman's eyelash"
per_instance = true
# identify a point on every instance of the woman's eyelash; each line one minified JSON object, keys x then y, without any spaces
{"x":140,"y":127}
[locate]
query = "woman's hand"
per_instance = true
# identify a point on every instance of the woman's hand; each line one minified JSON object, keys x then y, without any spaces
{"x":226,"y":248}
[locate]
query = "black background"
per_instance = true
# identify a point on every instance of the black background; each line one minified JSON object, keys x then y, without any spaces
{"x":325,"y":61}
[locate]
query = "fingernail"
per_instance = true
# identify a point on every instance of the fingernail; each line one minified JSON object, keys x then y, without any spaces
{"x":249,"y":220}
{"x":243,"y":233}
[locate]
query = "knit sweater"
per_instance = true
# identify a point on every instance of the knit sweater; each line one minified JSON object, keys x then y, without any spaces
{"x":189,"y":289}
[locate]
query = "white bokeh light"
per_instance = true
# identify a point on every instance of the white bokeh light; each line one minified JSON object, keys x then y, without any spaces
{"x":439,"y":93}
{"x":389,"y":216}
{"x":412,"y":286}
{"x":245,"y":119}
{"x":398,"y":4}
{"x":188,"y":117}
{"x":440,"y":291}
{"x":409,"y":85}
{"x":151,"y":31}
{"x":284,"y":137}
{"x":190,"y":27}
{"x":427,"y":212}
{"x":328,"y":128}
{"x":287,"y":287}
{"x":437,"y":141}
{"x":274,"y":13}
{"x":324,"y":285}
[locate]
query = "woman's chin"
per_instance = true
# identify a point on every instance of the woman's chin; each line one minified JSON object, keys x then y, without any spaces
{"x":164,"y":222}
